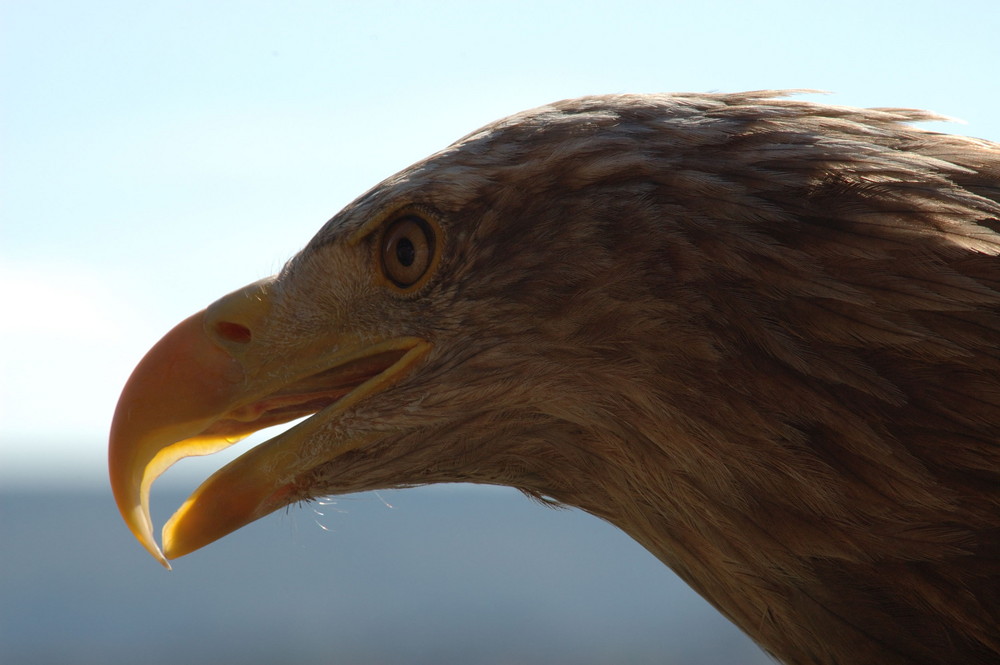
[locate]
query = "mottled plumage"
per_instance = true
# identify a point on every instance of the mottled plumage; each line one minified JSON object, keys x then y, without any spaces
{"x":759,"y":335}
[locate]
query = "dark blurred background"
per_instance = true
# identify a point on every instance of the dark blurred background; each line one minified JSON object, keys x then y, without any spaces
{"x":437,"y":575}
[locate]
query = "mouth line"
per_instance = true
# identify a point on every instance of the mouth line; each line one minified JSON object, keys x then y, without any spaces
{"x":305,"y":397}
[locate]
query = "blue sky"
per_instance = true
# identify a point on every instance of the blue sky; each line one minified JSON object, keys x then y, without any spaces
{"x":155,"y":156}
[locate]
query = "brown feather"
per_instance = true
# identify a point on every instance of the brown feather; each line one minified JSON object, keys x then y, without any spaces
{"x":758,"y":334}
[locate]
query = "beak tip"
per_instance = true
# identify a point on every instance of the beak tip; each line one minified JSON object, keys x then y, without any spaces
{"x":145,"y":537}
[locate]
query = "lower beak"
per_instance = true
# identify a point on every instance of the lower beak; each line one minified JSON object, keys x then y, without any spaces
{"x":209,"y":383}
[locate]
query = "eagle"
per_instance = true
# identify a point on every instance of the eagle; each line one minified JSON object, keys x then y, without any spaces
{"x":760,"y":335}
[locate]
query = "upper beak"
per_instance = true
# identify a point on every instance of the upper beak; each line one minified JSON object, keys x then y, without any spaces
{"x":210,"y":382}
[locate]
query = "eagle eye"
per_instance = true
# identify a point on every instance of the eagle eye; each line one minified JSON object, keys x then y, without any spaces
{"x":407,"y":251}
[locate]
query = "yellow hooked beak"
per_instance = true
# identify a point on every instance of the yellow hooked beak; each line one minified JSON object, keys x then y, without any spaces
{"x":211,"y":382}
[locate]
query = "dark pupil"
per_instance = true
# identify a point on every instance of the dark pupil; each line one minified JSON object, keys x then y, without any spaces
{"x":405,"y":252}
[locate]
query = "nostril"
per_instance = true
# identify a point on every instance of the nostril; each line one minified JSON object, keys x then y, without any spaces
{"x":233,"y":332}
